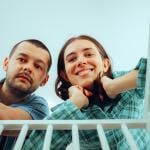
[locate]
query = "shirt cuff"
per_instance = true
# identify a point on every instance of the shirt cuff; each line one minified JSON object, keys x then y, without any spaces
{"x":66,"y":110}
{"x":141,"y":67}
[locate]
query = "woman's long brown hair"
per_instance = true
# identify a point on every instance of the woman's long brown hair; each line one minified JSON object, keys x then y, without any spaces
{"x":62,"y":85}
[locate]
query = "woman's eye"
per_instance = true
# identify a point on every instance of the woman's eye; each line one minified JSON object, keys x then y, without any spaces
{"x":89,"y":54}
{"x":72,"y":59}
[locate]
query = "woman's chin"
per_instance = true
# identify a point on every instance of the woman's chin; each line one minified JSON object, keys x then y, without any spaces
{"x":87,"y":85}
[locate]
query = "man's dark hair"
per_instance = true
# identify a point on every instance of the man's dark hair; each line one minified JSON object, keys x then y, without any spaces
{"x":36,"y":43}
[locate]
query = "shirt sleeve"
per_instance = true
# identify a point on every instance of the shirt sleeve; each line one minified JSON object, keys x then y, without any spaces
{"x":141,"y":67}
{"x":140,"y":82}
{"x":66,"y":110}
{"x":36,"y":106}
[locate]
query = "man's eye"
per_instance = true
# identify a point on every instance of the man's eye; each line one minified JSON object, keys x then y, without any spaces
{"x":38,"y":66}
{"x":22,"y":60}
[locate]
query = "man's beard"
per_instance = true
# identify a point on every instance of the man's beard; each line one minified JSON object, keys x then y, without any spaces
{"x":18,"y":91}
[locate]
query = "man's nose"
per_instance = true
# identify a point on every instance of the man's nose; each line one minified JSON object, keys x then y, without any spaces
{"x":28,"y":68}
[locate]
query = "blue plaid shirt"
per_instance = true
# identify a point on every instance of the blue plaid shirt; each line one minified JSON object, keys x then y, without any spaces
{"x":127,"y":105}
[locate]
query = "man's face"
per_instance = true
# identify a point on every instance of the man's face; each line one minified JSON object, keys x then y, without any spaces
{"x":26,"y":70}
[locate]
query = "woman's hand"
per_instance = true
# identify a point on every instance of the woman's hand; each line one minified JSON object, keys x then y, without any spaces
{"x":109,"y":86}
{"x":79,"y":96}
{"x":113,"y":87}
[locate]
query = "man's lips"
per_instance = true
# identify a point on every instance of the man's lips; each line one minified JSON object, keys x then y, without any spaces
{"x":25,"y":77}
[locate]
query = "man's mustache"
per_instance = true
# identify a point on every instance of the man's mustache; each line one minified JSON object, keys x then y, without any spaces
{"x":26,"y":76}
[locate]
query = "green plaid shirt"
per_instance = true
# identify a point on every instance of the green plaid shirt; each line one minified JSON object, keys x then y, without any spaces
{"x":127,"y":105}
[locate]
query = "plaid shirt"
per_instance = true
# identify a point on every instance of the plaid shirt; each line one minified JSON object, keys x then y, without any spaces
{"x":127,"y":105}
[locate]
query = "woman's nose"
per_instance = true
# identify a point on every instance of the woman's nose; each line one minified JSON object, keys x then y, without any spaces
{"x":81,"y":61}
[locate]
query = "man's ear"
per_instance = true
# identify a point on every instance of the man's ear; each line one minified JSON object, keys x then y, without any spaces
{"x":106,"y":65}
{"x":63,"y":75}
{"x":45,"y":80}
{"x":5,"y":63}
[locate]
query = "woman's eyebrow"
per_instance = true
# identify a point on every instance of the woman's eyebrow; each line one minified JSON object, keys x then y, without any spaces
{"x":87,"y":49}
{"x":73,"y":53}
{"x":84,"y":49}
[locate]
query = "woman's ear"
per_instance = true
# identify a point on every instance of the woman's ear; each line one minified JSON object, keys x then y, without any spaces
{"x":106,"y":65}
{"x":63,"y":75}
{"x":5,"y":63}
{"x":45,"y":80}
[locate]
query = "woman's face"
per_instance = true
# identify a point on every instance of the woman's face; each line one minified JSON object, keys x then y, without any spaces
{"x":83,"y":63}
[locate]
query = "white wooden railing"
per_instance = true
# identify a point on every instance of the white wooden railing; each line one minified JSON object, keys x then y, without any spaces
{"x":147,"y":86}
{"x":74,"y":125}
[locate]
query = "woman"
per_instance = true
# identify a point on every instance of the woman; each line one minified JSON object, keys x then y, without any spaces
{"x":85,"y":80}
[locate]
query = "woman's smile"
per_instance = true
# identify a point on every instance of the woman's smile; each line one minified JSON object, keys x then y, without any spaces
{"x":83,"y":71}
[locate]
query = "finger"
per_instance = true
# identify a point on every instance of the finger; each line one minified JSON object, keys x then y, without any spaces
{"x":101,"y":74}
{"x":87,"y":93}
{"x":71,"y":90}
{"x":79,"y":87}
{"x":103,"y":78}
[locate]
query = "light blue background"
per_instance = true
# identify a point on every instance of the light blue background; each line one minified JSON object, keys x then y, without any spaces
{"x":120,"y":25}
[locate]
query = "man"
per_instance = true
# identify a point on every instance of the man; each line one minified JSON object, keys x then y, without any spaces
{"x":26,"y":69}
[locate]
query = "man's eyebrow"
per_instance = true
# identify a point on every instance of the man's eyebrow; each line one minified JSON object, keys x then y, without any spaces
{"x":38,"y":60}
{"x":85,"y":49}
{"x":22,"y":54}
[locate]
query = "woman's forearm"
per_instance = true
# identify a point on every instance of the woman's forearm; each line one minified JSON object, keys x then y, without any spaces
{"x":118,"y":85}
{"x":126,"y":82}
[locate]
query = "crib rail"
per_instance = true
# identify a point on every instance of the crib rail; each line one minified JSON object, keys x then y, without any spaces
{"x":147,"y":85}
{"x":74,"y":126}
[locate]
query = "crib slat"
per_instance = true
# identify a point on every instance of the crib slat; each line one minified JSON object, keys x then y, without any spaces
{"x":1,"y":129}
{"x":129,"y":137}
{"x":75,"y":137}
{"x":21,"y":137}
{"x":102,"y":137}
{"x":48,"y":137}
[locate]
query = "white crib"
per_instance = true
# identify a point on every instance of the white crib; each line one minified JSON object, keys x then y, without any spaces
{"x":74,"y":125}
